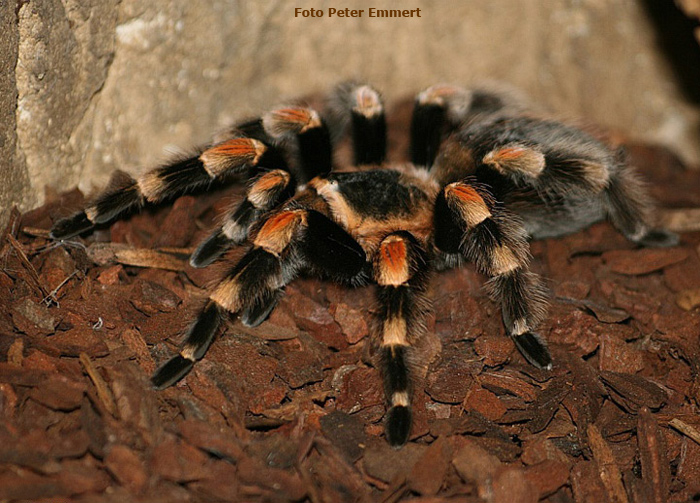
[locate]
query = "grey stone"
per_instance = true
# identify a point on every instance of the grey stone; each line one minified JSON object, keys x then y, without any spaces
{"x":90,"y":86}
{"x":14,"y":179}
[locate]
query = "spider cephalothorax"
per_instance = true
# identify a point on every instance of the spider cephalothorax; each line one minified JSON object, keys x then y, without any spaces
{"x":485,"y":175}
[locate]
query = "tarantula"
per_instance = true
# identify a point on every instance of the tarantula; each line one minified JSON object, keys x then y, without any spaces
{"x":485,"y":176}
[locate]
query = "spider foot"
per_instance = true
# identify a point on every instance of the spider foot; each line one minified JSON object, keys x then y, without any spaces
{"x":398,"y":426}
{"x":210,"y":249}
{"x":122,"y":196}
{"x":658,"y":238}
{"x":71,"y":226}
{"x":261,"y":308}
{"x":171,"y":372}
{"x":534,"y":349}
{"x":199,"y":337}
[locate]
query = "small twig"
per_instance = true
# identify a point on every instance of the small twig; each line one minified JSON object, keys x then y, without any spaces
{"x":10,"y":230}
{"x":36,"y":232}
{"x":164,"y":258}
{"x":685,"y":429}
{"x":103,"y":391}
{"x":27,"y":264}
{"x":52,"y":296}
{"x":653,"y":459}
{"x":609,"y":471}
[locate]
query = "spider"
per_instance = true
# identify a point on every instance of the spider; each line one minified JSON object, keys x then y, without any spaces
{"x":486,"y":175}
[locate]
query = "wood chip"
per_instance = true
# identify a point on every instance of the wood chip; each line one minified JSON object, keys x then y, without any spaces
{"x":126,"y":466}
{"x":476,"y":465}
{"x":643,"y":261}
{"x":103,"y":391}
{"x":110,"y":253}
{"x":346,"y":433}
{"x":15,"y":355}
{"x":633,"y":391}
{"x":429,"y":472}
{"x":547,"y":404}
{"x":685,"y":429}
{"x":609,"y":471}
{"x":656,"y":472}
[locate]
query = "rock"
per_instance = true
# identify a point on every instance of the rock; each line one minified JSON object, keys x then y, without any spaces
{"x":89,"y":108}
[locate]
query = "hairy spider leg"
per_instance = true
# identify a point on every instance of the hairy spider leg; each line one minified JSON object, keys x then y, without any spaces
{"x":368,"y":123}
{"x":368,"y":126}
{"x":438,"y":111}
{"x":265,"y":193}
{"x":428,"y":125}
{"x":359,"y":108}
{"x":557,"y":161}
{"x":303,"y":127}
{"x":360,"y":102}
{"x":170,"y":181}
{"x":215,"y":163}
{"x":442,"y":110}
{"x":496,"y":241}
{"x":257,"y":277}
{"x":289,"y":241}
{"x":553,"y":158}
{"x":400,"y":270}
{"x":629,"y":208}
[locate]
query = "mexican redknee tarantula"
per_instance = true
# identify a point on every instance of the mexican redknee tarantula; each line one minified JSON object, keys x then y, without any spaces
{"x":485,"y":176}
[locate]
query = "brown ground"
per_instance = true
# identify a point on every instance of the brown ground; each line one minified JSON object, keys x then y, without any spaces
{"x":292,"y":410}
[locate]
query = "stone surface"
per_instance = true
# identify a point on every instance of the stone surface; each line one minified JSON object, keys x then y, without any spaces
{"x":89,"y":86}
{"x":15,"y":186}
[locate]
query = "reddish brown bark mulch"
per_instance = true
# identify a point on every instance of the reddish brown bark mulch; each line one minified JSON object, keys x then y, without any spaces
{"x":292,"y":410}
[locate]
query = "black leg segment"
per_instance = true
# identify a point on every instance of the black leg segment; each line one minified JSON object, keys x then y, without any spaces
{"x":427,"y":126}
{"x":330,"y":249}
{"x":198,"y":339}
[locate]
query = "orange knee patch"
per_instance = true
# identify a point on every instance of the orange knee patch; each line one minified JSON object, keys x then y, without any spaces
{"x":277,"y":232}
{"x":468,"y":202}
{"x":516,"y":158}
{"x":271,"y":180}
{"x":465,"y":193}
{"x":230,"y":154}
{"x":293,"y":120}
{"x":150,"y":185}
{"x":260,"y":191}
{"x":508,"y":153}
{"x":393,"y":262}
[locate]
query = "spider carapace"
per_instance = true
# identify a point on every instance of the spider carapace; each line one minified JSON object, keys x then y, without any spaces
{"x":486,"y":174}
